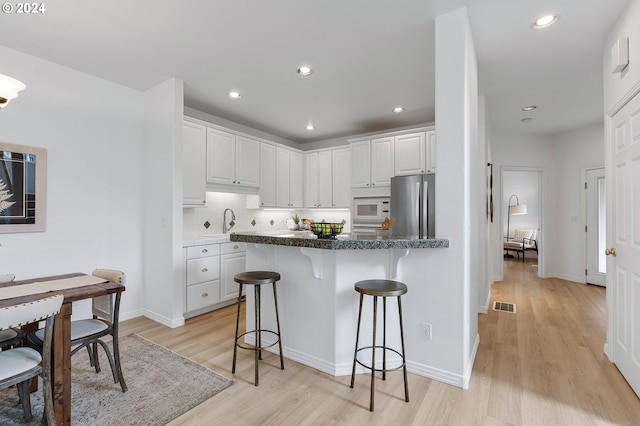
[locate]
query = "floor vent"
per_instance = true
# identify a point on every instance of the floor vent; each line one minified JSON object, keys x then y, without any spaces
{"x":504,"y":307}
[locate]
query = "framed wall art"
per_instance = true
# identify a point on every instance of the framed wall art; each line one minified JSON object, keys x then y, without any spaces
{"x":23,"y":178}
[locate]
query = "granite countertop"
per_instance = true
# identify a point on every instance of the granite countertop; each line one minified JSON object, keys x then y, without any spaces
{"x":341,"y":242}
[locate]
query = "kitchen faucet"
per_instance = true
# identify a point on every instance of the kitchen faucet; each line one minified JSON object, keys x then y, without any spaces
{"x":224,"y":223}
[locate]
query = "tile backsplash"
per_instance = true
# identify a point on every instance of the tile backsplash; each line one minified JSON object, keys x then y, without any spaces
{"x":248,"y":219}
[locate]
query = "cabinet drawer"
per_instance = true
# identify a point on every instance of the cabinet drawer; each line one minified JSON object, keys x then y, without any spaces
{"x":203,"y":295}
{"x":196,"y":252}
{"x":203,"y":269}
{"x":227,"y":248}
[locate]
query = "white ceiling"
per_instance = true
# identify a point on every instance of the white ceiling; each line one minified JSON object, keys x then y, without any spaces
{"x":368,"y":56}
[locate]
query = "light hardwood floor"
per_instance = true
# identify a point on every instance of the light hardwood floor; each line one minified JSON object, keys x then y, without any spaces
{"x":544,"y":365}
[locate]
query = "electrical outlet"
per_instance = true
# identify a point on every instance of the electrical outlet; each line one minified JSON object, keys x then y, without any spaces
{"x":426,"y":330}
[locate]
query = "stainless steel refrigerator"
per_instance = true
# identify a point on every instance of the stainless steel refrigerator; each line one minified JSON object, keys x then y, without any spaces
{"x":413,"y":201}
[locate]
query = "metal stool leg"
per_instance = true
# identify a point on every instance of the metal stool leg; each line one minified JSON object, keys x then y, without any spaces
{"x":355,"y":352}
{"x":275,"y":301}
{"x":258,"y":353}
{"x":404,"y":361}
{"x":384,"y":338}
{"x":235,"y":342}
{"x":373,"y":351}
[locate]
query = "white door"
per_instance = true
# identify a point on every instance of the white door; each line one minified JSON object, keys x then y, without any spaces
{"x":623,"y":235}
{"x":596,"y":226}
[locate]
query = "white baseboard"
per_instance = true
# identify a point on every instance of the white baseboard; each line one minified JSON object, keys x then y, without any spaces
{"x":576,"y":279}
{"x":171,"y":323}
{"x":344,"y":369}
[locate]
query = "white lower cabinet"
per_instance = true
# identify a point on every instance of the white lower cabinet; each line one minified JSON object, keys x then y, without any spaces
{"x":232,"y":261}
{"x":210,"y":269}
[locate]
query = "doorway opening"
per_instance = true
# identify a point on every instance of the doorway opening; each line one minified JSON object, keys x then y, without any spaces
{"x":595,"y":226}
{"x":522,"y":212}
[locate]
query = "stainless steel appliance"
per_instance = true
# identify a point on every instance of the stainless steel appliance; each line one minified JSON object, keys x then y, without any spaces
{"x":368,"y":213}
{"x":413,"y":201}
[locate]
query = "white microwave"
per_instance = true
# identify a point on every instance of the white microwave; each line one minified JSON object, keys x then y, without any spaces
{"x":370,"y":210}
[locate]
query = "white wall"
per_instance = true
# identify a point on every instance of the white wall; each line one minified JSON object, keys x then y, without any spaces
{"x":162,"y":211}
{"x":455,"y":307}
{"x":573,"y":151}
{"x":92,"y":130}
{"x":618,"y":85}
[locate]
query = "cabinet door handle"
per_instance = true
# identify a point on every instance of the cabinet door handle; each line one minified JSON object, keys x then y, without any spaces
{"x":205,"y":294}
{"x":238,"y":182}
{"x":235,"y":247}
{"x":204,"y":269}
{"x":205,"y":251}
{"x":373,"y":184}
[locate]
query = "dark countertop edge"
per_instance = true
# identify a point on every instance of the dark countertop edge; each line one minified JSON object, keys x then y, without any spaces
{"x":339,"y":244}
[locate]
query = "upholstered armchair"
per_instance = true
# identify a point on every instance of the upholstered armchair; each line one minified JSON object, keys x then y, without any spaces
{"x":523,"y":240}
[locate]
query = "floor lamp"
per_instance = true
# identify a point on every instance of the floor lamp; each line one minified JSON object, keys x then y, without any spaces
{"x":516,"y":210}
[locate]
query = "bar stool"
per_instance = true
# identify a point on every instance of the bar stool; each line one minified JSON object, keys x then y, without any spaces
{"x":257,"y":279}
{"x":384,"y":289}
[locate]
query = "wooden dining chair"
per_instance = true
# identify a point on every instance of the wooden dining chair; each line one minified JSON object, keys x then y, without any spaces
{"x":88,"y":333}
{"x":11,"y":337}
{"x":19,"y":365}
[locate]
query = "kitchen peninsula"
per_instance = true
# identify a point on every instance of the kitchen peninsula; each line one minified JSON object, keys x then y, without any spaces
{"x":316,"y":299}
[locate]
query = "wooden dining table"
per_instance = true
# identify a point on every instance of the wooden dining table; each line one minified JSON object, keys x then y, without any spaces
{"x":61,"y":351}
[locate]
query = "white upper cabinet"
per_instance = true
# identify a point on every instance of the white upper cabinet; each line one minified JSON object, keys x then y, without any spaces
{"x":360,"y":164}
{"x":267,"y":175}
{"x":341,"y":177}
{"x":382,"y":155}
{"x":288,"y":178}
{"x":311,"y":179}
{"x":295,"y":185}
{"x":431,"y":151}
{"x":327,"y":177}
{"x":194,"y":154}
{"x":415,"y":153}
{"x":372,"y":162}
{"x":247,"y":162}
{"x":232,"y":160}
{"x":409,"y":154}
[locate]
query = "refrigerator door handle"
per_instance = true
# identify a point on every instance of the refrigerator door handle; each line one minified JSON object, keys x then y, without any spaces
{"x":424,"y":210}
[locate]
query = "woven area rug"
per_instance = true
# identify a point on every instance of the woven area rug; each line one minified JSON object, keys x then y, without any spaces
{"x":162,"y":386}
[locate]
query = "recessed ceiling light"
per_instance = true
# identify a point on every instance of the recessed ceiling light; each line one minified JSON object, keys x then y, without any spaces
{"x":305,"y":71}
{"x":398,"y":109}
{"x":529,"y":108}
{"x":544,"y":22}
{"x":234,"y":95}
{"x":310,"y":127}
{"x":526,"y":120}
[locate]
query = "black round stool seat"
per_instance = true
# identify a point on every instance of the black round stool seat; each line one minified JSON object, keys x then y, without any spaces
{"x":382,"y":288}
{"x":257,"y":277}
